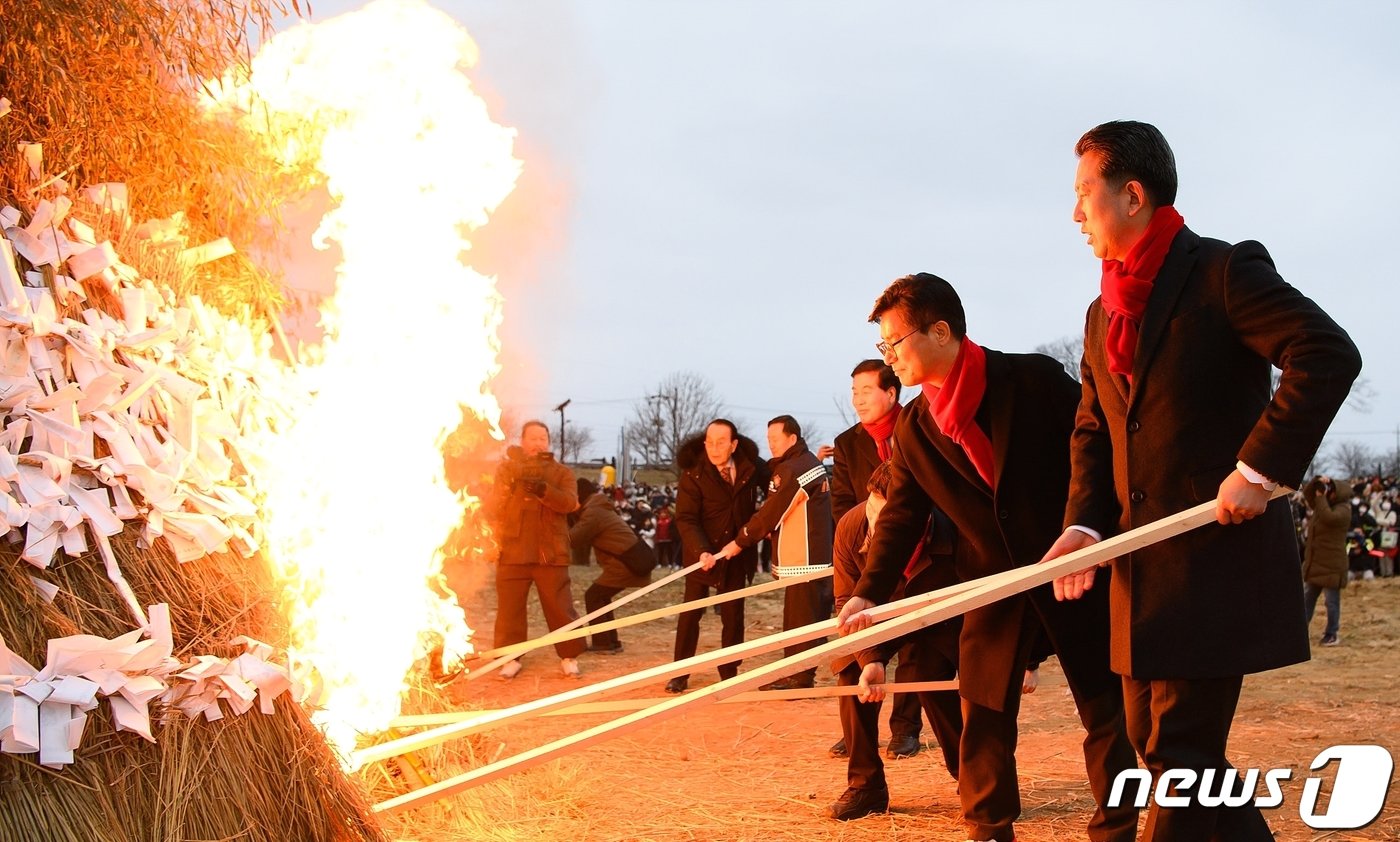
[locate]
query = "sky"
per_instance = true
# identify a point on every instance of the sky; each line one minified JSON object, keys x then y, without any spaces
{"x":725,"y":187}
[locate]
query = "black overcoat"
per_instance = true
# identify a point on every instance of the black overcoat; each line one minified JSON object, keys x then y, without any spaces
{"x":855,"y":459}
{"x":710,"y":511}
{"x":1028,"y":413}
{"x":1221,"y":600}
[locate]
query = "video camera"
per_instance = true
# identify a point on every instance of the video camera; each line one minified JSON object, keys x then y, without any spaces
{"x":532,"y":475}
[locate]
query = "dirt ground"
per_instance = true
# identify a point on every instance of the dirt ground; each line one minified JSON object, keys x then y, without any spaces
{"x":760,"y":771}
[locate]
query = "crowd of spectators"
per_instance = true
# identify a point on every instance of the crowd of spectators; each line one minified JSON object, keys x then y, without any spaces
{"x":1372,"y":535}
{"x":650,"y":510}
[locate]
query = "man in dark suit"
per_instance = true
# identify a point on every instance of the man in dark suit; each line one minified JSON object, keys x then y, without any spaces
{"x":988,"y":443}
{"x":721,"y":475}
{"x":1177,"y":410}
{"x":857,"y":453}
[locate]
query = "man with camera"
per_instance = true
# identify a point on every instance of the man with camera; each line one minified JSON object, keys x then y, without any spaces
{"x":531,"y":500}
{"x":1325,"y":556}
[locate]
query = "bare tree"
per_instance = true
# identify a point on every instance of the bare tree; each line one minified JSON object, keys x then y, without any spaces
{"x":1067,"y":350}
{"x":576,"y":441}
{"x":1351,"y":459}
{"x":679,"y":407}
{"x":846,"y":411}
{"x":1390,"y":462}
{"x":1361,"y":395}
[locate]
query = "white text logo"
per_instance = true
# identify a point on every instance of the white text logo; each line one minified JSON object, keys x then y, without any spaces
{"x":1358,"y":788}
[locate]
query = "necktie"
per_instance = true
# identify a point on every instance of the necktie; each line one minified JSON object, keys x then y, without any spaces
{"x":728,"y":474}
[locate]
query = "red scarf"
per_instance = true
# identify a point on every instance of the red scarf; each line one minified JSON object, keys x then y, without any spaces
{"x":881,"y":431}
{"x":914,"y":559}
{"x":1127,"y":284}
{"x":955,"y":405}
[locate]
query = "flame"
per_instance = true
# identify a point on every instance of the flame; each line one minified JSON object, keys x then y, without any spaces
{"x":356,"y":502}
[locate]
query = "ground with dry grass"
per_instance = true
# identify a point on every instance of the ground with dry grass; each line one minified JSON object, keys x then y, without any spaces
{"x":760,"y":771}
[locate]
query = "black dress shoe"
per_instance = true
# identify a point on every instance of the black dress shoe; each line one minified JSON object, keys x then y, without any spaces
{"x":614,"y":649}
{"x":800,"y":681}
{"x":856,"y":803}
{"x":678,"y":684}
{"x":839,"y":750}
{"x":901,"y":746}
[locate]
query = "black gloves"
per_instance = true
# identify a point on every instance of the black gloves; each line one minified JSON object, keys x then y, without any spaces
{"x":535,"y":487}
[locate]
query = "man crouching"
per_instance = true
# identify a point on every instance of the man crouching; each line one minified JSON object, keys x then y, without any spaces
{"x":934,"y":652}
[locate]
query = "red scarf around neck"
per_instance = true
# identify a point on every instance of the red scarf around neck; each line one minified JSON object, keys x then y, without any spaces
{"x":1127,"y":284}
{"x":882,"y":430}
{"x":955,"y":405}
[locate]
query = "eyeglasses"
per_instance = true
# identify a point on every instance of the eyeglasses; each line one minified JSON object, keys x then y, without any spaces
{"x":887,"y":348}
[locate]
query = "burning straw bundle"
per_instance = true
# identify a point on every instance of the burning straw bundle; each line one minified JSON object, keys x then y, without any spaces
{"x":129,"y":508}
{"x":111,"y":89}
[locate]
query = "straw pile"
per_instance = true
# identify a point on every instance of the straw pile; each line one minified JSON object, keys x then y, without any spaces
{"x":108,"y":87}
{"x":125,"y":490}
{"x":119,"y":497}
{"x":248,"y":777}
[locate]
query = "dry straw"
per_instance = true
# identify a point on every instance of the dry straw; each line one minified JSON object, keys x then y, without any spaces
{"x":250,"y":777}
{"x":108,"y":87}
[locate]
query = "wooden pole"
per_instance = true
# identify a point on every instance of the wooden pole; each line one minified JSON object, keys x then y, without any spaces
{"x":555,"y":636}
{"x":673,"y":707}
{"x":660,"y":672}
{"x":424,"y":720}
{"x":622,"y":622}
{"x":935,"y":609}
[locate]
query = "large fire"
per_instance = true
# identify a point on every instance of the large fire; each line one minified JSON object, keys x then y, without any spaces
{"x":356,"y":501}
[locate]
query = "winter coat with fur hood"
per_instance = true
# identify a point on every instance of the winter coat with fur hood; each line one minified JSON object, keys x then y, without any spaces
{"x":710,"y":511}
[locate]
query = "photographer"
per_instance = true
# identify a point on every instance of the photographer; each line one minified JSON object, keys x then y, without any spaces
{"x":1325,"y":557}
{"x":531,"y":500}
{"x":626,"y":559}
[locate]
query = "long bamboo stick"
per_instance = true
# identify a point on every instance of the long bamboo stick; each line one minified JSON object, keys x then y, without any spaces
{"x":553,"y":636}
{"x":424,"y":720}
{"x":656,"y":614}
{"x":660,"y":672}
{"x":935,"y":610}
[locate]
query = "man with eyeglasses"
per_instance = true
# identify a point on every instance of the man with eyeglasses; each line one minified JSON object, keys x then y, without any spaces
{"x":987,"y":442}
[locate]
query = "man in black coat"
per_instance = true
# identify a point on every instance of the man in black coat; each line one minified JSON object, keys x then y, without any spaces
{"x":858,"y":452}
{"x":988,"y":443}
{"x":1176,"y":411}
{"x":721,"y":475}
{"x":797,"y":513}
{"x":929,"y":654}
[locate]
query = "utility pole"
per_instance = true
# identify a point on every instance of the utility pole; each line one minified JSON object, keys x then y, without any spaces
{"x":560,"y":409}
{"x":656,"y":402}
